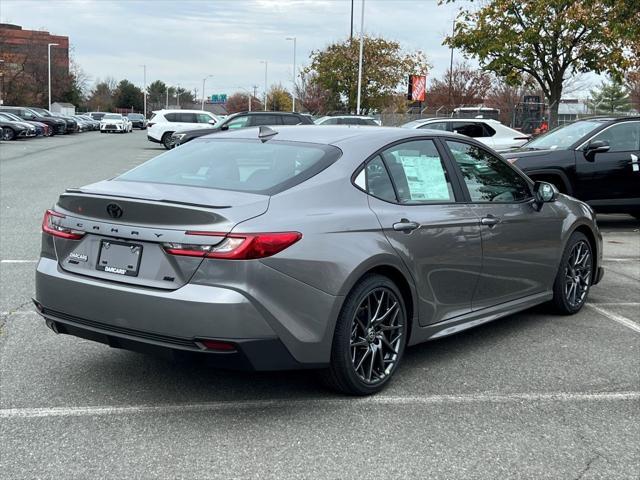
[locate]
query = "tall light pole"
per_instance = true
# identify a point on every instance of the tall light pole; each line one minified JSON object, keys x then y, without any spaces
{"x":49,"y":63}
{"x":293,"y":92}
{"x":166,"y":104}
{"x":1,"y":84}
{"x":203,"y":82}
{"x":144,"y":67}
{"x":266,"y":63}
{"x":178,"y":95}
{"x":360,"y":58}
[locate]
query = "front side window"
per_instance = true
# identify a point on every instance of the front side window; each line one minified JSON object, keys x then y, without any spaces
{"x":623,"y":137}
{"x":488,"y":178}
{"x":203,"y":118}
{"x":258,"y":120}
{"x":291,"y":120}
{"x":418,"y":173}
{"x":435,"y":126}
{"x":238,"y":122}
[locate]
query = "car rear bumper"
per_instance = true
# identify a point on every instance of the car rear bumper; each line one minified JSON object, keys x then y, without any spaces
{"x":146,"y":319}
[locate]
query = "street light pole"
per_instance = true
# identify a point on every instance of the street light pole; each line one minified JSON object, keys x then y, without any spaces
{"x":49,"y":64}
{"x":178,"y":95}
{"x":360,"y":58}
{"x":203,"y":81}
{"x":293,"y":93}
{"x":266,"y":63}
{"x":166,"y":105}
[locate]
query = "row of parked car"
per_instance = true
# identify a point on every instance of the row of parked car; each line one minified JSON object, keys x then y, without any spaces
{"x":29,"y":122}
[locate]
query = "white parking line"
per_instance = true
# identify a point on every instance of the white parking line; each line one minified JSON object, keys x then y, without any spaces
{"x":18,"y":261}
{"x":615,"y":317}
{"x":616,"y":304}
{"x":620,"y":259}
{"x":379,"y":400}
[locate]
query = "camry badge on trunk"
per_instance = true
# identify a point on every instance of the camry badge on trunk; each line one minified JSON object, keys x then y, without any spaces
{"x":114,"y":210}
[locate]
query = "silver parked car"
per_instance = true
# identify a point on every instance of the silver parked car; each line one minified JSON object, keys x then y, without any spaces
{"x":306,"y":247}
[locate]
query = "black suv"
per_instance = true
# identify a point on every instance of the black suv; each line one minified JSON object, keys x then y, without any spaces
{"x":137,"y":120}
{"x":596,"y":160}
{"x":243,"y":120}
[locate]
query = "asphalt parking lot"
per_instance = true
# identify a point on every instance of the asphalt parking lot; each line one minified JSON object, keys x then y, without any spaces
{"x":530,"y":396}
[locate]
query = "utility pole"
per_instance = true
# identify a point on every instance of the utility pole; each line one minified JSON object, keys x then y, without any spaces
{"x":351,"y":25}
{"x":166,"y":105}
{"x":178,"y":95}
{"x":145,"y":91}
{"x":266,"y":63}
{"x":451,"y":67}
{"x":49,"y":64}
{"x":293,"y":93}
{"x":360,"y":59}
{"x":203,"y":81}
{"x":255,"y":95}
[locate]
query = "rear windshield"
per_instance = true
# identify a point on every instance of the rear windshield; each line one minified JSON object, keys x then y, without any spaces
{"x":112,"y":116}
{"x":237,"y":164}
{"x":135,"y":116}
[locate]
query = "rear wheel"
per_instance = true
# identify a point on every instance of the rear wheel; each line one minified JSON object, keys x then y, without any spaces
{"x":8,"y":134}
{"x":574,"y":276}
{"x":166,"y":140}
{"x":369,"y":338}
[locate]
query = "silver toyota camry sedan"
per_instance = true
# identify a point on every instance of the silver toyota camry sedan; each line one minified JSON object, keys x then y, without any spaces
{"x":331,"y":248}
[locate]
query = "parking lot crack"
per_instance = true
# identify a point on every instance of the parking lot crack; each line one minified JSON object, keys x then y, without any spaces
{"x":12,"y":311}
{"x":588,"y":466}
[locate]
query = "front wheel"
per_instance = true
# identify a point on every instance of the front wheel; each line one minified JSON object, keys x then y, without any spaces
{"x":369,"y":338}
{"x":574,"y":276}
{"x":8,"y":134}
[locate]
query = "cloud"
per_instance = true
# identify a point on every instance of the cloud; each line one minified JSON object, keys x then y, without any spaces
{"x":181,"y":42}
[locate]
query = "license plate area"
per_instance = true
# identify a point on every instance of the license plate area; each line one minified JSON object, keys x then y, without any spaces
{"x":120,"y":258}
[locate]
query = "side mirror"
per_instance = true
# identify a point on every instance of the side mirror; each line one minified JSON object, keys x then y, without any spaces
{"x":212,"y":122}
{"x":597,"y":146}
{"x":224,"y":127}
{"x":544,"y":192}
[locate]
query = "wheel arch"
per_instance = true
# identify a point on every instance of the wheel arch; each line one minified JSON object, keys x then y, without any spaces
{"x":591,"y":237}
{"x":392,"y":268}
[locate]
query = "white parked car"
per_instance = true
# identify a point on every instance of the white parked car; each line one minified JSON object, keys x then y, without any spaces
{"x":347,"y":120}
{"x":114,"y":122}
{"x":164,"y":123}
{"x":490,"y":132}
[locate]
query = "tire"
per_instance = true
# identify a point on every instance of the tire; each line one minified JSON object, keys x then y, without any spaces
{"x":8,"y":134}
{"x":166,"y":140}
{"x":574,"y":277}
{"x":384,"y":344}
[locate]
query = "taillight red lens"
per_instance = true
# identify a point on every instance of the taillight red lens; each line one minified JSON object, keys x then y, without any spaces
{"x":237,"y":246}
{"x":217,"y":345}
{"x":48,"y":226}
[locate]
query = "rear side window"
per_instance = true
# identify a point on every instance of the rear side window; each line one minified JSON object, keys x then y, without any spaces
{"x":418,"y":173}
{"x":378,"y":182}
{"x":257,"y":120}
{"x":170,"y":117}
{"x":368,"y":121}
{"x":187,"y":118}
{"x":291,"y":120}
{"x":237,"y":164}
{"x":470,"y":129}
{"x":435,"y":126}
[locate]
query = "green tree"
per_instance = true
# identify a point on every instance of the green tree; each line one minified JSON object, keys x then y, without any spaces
{"x":610,"y":97}
{"x":279,"y":99}
{"x":127,"y":95}
{"x":385,"y":68}
{"x":156,"y":94}
{"x":102,"y":96}
{"x":550,"y":40}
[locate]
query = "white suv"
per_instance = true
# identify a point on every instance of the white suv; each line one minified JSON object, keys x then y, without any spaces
{"x":164,"y":123}
{"x":490,"y":132}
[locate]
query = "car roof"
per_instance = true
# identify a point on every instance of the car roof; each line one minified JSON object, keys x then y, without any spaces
{"x":336,"y":135}
{"x":181,"y":111}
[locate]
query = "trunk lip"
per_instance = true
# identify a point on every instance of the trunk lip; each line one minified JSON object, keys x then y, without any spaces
{"x":75,"y":191}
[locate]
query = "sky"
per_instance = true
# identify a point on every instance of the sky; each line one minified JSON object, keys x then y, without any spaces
{"x":181,"y":42}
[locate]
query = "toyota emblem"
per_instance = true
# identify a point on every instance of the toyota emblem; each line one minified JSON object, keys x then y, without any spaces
{"x":114,"y":210}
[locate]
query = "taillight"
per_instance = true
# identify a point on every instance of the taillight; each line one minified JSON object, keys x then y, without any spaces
{"x":48,"y":226}
{"x":236,"y":246}
{"x":150,"y":124}
{"x":218,"y":345}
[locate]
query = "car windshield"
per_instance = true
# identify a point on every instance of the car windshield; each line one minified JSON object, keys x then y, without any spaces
{"x":112,"y":116}
{"x":240,"y":165}
{"x":563,"y":137}
{"x":135,"y":116}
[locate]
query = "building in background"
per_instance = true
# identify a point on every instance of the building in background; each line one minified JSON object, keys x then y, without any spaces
{"x":24,"y":64}
{"x":63,"y":108}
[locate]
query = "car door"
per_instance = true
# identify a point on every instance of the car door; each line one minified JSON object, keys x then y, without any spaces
{"x":521,"y":245}
{"x":415,"y":198}
{"x":611,"y":177}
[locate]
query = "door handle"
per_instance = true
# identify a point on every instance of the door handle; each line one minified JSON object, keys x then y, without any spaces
{"x":406,"y":226}
{"x":490,"y":221}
